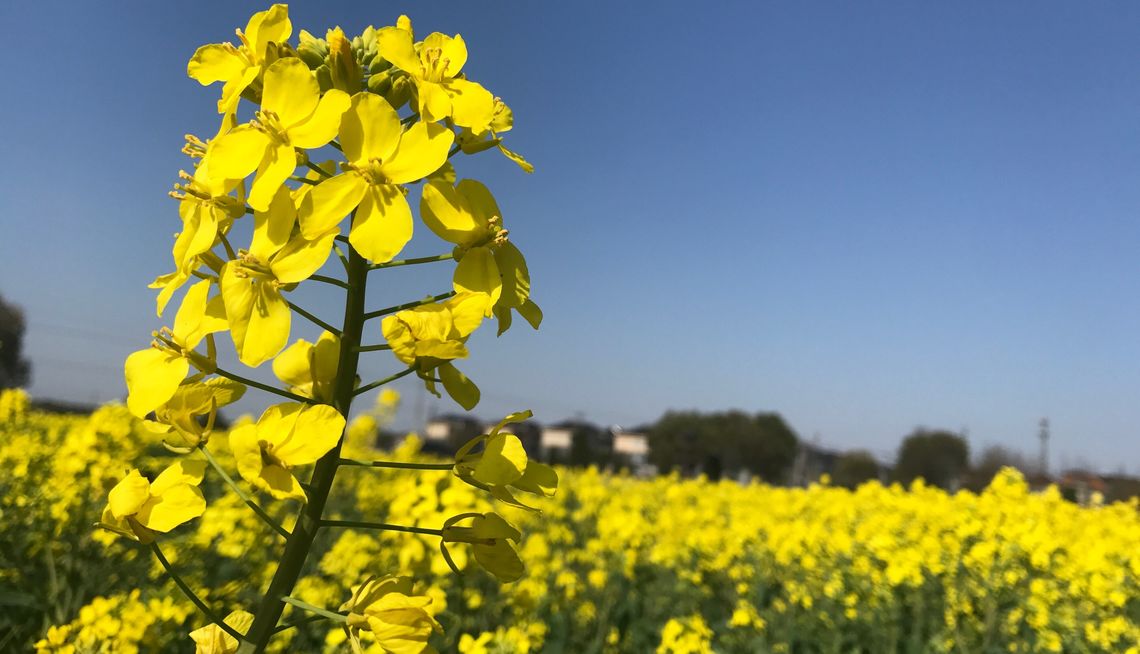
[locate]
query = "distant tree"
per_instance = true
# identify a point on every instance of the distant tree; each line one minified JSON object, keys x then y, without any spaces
{"x":589,"y":445}
{"x":723,"y":443}
{"x":15,"y":371}
{"x":855,"y":467}
{"x":940,"y":457}
{"x":989,"y":462}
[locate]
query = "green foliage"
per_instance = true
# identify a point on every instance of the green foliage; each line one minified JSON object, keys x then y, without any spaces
{"x":724,"y":443}
{"x":939,"y":457}
{"x":855,"y":467}
{"x":15,"y":370}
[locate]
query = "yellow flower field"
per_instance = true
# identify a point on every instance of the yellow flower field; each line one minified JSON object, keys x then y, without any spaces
{"x":613,"y":564}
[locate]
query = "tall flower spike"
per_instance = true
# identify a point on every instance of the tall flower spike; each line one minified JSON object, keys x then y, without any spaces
{"x":293,"y":114}
{"x":239,"y":66}
{"x":381,"y":155}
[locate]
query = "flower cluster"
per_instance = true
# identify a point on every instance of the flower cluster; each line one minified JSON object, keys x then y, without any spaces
{"x":321,"y":146}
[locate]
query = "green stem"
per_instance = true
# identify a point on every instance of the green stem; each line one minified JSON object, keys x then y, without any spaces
{"x":320,"y":171}
{"x":396,"y":464}
{"x":265,"y":387}
{"x":407,"y":305}
{"x":340,"y":255}
{"x":409,"y":262}
{"x":329,"y":280}
{"x":190,"y":595}
{"x":242,"y":494}
{"x":454,"y":151}
{"x":313,"y":319}
{"x":300,"y":542}
{"x":381,"y":526}
{"x":304,"y":180}
{"x":374,"y":348}
{"x":380,"y":382}
{"x":299,"y":623}
{"x":305,"y":606}
{"x":226,"y":244}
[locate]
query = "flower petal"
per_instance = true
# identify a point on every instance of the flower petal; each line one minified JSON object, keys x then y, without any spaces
{"x":477,"y":272}
{"x":152,"y":377}
{"x":272,"y":227}
{"x":276,"y":167}
{"x":458,"y":386}
{"x":383,"y":224}
{"x":300,"y":258}
{"x":179,"y":504}
{"x":502,"y":462}
{"x":515,"y":276}
{"x":370,"y":129}
{"x":268,"y":330}
{"x":327,"y":203}
{"x":272,"y":25}
{"x":216,"y":62}
{"x":322,"y":125}
{"x":395,"y":45}
{"x":290,"y":91}
{"x":447,"y":213}
{"x":318,"y":429}
{"x":422,"y":150}
{"x":129,"y":495}
{"x":471,"y":105}
{"x":237,"y":153}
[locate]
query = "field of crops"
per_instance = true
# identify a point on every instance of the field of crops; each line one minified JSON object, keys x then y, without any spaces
{"x":614,"y":564}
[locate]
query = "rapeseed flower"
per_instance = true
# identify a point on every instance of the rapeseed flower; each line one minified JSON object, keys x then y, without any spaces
{"x":286,"y":435}
{"x":139,"y":508}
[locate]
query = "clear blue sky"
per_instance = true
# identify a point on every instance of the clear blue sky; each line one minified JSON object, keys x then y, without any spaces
{"x":866,"y":216}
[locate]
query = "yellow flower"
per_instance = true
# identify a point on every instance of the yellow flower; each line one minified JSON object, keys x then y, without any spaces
{"x":259,"y":317}
{"x":502,"y":464}
{"x":153,"y":374}
{"x":489,"y":536}
{"x":502,"y":120}
{"x":206,"y":208}
{"x":138,"y":508}
{"x":180,"y":415}
{"x":293,"y":114}
{"x":239,"y":66}
{"x":431,"y":335}
{"x":310,"y":369}
{"x":212,"y":639}
{"x":380,"y":156}
{"x":398,"y":620}
{"x":287,"y":435}
{"x":435,"y":68}
{"x":467,"y":215}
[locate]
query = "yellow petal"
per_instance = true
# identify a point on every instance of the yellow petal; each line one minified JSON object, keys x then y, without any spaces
{"x":395,"y":45}
{"x":516,"y":277}
{"x":500,"y":560}
{"x":459,"y":387}
{"x":237,"y":153}
{"x":539,"y":479}
{"x":477,"y":272}
{"x":215,"y":63}
{"x":527,"y":166}
{"x":152,"y":377}
{"x":454,"y":51}
{"x":471,"y":105}
{"x":231,"y":92}
{"x":177,"y":505}
{"x":317,"y":430}
{"x":185,"y":471}
{"x":447,"y":213}
{"x":169,"y":283}
{"x":268,"y":329}
{"x":370,"y":129}
{"x":468,"y":311}
{"x":280,"y":483}
{"x":502,"y":462}
{"x":300,"y":258}
{"x":322,"y":126}
{"x":292,"y":366}
{"x":291,"y":92}
{"x":246,"y":451}
{"x":531,"y":313}
{"x":279,"y":163}
{"x":399,"y":338}
{"x":327,"y":203}
{"x":129,"y":495}
{"x":480,"y":201}
{"x":237,"y":293}
{"x":383,"y":224}
{"x":272,"y":25}
{"x":272,"y":227}
{"x":422,"y":150}
{"x":191,"y":311}
{"x":434,"y":101}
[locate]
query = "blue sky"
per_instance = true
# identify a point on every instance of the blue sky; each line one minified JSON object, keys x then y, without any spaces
{"x":866,"y":216}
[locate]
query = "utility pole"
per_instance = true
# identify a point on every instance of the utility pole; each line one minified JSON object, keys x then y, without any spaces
{"x":1043,"y":454}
